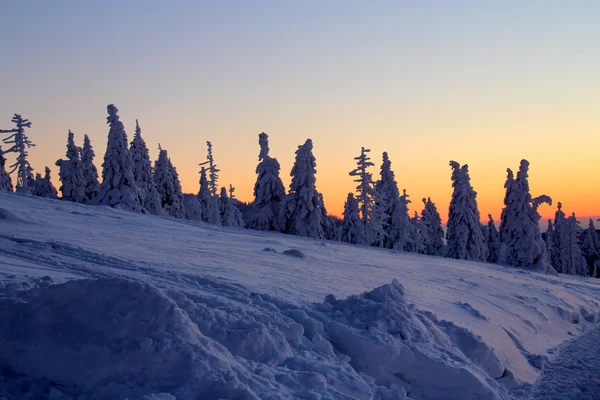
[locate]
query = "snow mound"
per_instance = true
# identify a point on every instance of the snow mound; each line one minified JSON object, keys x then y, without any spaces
{"x":294,"y":253}
{"x":393,"y":343}
{"x":115,"y":338}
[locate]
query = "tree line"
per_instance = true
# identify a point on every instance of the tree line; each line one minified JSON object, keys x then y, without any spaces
{"x":376,"y":215}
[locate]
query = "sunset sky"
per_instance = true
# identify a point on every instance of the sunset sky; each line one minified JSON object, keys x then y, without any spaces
{"x":485,"y":83}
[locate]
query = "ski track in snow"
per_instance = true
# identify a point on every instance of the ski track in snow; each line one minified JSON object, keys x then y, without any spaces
{"x":520,"y":316}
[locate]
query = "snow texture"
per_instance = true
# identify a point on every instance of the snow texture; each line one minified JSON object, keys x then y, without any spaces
{"x":122,"y":312}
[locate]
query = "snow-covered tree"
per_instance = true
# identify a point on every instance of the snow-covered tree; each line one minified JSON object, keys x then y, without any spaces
{"x":20,"y":143}
{"x":118,"y":188}
{"x":590,"y":247}
{"x":523,"y":246}
{"x":71,"y":173}
{"x":208,"y":203}
{"x":549,"y":241}
{"x":504,"y":223}
{"x":352,"y":227}
{"x":230,"y":215}
{"x":191,"y":205}
{"x":300,"y":212}
{"x":268,"y":189}
{"x":167,"y":185}
{"x":5,"y":181}
{"x":431,"y":226}
{"x":560,"y":242}
{"x":576,"y":263}
{"x":44,"y":186}
{"x":143,"y":174}
{"x":492,"y":239}
{"x":396,"y":223}
{"x":90,"y":173}
{"x":213,"y":172}
{"x":464,"y":235}
{"x":328,"y":223}
{"x":417,"y":236}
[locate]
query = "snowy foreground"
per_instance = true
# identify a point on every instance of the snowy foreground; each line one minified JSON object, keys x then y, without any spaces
{"x":98,"y":303}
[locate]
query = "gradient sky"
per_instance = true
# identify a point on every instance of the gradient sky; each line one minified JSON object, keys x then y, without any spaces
{"x":485,"y":83}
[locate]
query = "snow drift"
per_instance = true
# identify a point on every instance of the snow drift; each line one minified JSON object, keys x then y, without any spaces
{"x":163,"y":314}
{"x":119,"y":338}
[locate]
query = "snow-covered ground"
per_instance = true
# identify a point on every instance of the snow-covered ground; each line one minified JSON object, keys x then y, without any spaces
{"x":158,"y":305}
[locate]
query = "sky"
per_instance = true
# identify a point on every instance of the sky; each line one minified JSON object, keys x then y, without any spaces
{"x":484,"y":83}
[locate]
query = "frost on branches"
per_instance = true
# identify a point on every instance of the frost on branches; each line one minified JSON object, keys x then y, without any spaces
{"x":44,"y":186}
{"x":90,"y":173}
{"x":5,"y":181}
{"x":300,"y":212}
{"x":71,"y":173}
{"x":522,"y":243}
{"x":431,"y":226}
{"x":268,"y":189}
{"x":20,"y":143}
{"x":464,"y":235}
{"x":143,"y":174}
{"x":118,"y":188}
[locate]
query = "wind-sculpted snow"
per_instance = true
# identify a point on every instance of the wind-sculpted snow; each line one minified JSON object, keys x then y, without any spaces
{"x":475,"y":330}
{"x":116,"y":338}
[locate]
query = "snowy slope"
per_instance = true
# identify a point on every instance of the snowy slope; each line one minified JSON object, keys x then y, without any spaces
{"x":475,"y":330}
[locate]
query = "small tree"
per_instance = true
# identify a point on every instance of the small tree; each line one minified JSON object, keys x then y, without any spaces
{"x":576,"y":264}
{"x":352,"y":227}
{"x":118,"y":188}
{"x":44,"y":186}
{"x":5,"y":181}
{"x":431,"y":226}
{"x":144,"y":176}
{"x":300,"y":211}
{"x":590,"y":247}
{"x":268,"y":189}
{"x":417,"y":236}
{"x":20,"y":143}
{"x":230,"y":215}
{"x":208,"y":203}
{"x":464,"y":235}
{"x":71,"y":173}
{"x":492,"y":240}
{"x":90,"y":173}
{"x":167,"y":186}
{"x":560,"y":242}
{"x":396,"y":222}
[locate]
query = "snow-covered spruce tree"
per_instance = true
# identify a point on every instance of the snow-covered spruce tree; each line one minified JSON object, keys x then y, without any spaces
{"x":71,"y":173}
{"x":549,"y":241}
{"x":590,"y":247}
{"x":431,"y":226}
{"x":208,"y":204}
{"x":230,"y":215}
{"x":5,"y":181}
{"x":20,"y":143}
{"x":118,"y":188}
{"x":191,"y":205}
{"x":373,"y":228}
{"x":176,"y":208}
{"x":330,"y":231}
{"x":352,"y":227}
{"x":523,"y":246}
{"x":167,"y":186}
{"x":396,"y":222}
{"x":44,"y":186}
{"x":90,"y":173}
{"x":576,"y":264}
{"x":560,"y":242}
{"x":143,"y":174}
{"x":492,"y":239}
{"x":417,"y":237}
{"x":300,"y":211}
{"x":464,"y":235}
{"x":268,"y":189}
{"x":504,"y":223}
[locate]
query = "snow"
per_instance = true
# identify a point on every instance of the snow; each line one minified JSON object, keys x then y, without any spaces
{"x":101,"y":303}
